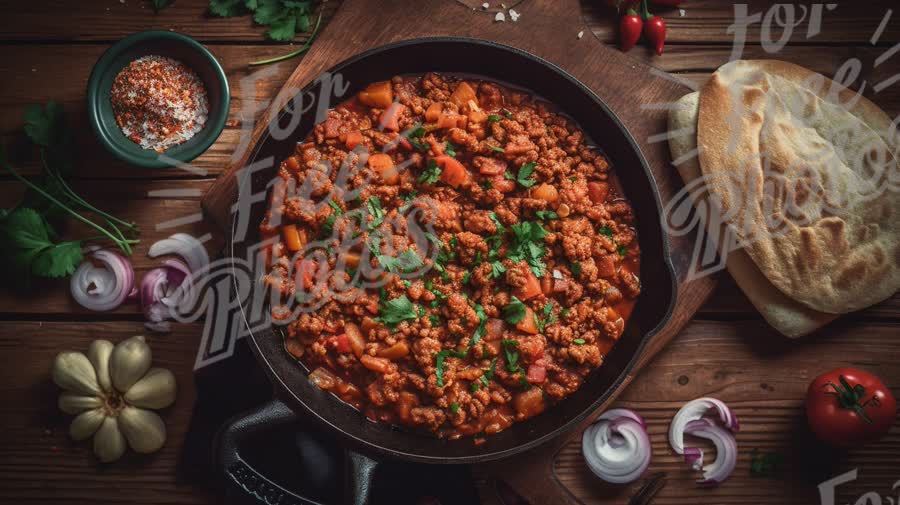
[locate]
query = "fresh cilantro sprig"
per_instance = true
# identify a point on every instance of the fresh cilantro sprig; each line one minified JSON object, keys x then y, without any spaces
{"x":406,"y":262}
{"x":514,"y":312}
{"x":528,"y":245}
{"x":284,"y":18}
{"x":396,"y":310}
{"x":431,"y":174}
{"x":523,"y":176}
{"x":439,"y":363}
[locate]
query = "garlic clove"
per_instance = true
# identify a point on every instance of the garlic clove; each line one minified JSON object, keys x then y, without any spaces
{"x":156,"y":390}
{"x":72,"y":371}
{"x":74,"y":403}
{"x":129,"y":361}
{"x":109,"y":444}
{"x":86,"y":424}
{"x":144,"y":429}
{"x":98,"y":353}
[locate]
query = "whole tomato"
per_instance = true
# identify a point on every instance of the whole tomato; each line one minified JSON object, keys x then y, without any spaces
{"x":849,"y":407}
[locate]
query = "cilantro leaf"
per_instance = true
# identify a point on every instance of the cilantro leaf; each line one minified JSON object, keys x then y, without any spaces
{"x":431,"y":174}
{"x":405,"y":262}
{"x":449,"y":149}
{"x":524,"y":175}
{"x":528,"y":245}
{"x":58,"y":260}
{"x":512,"y":356}
{"x":160,"y":4}
{"x":397,"y":310}
{"x":497,"y":149}
{"x":439,"y":363}
{"x":605,"y":231}
{"x":282,"y":29}
{"x":514,"y":312}
{"x":26,"y":243}
{"x":493,"y":118}
{"x":546,"y":215}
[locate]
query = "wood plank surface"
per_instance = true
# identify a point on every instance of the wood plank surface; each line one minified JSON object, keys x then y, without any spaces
{"x":727,"y":350}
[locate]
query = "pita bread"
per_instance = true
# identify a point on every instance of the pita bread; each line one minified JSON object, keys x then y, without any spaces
{"x":804,"y":173}
{"x":789,"y":317}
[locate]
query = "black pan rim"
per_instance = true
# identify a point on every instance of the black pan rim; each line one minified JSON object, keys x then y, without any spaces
{"x":283,"y":389}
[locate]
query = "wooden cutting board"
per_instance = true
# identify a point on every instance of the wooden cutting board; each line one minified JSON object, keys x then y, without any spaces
{"x":549,"y":29}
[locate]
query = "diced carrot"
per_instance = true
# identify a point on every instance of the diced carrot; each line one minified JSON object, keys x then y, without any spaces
{"x":531,"y":288}
{"x":477,"y":116}
{"x":391,"y":116}
{"x":394,"y":352}
{"x":374,"y":364}
{"x":447,"y":120}
{"x":545,"y":192}
{"x":351,"y":259}
{"x":356,"y":339}
{"x":291,"y":237}
{"x":353,"y":139}
{"x":453,"y":173}
{"x":384,"y":166}
{"x":492,"y":166}
{"x":433,"y":112}
{"x":377,"y":94}
{"x":598,"y":191}
{"x":546,"y":284}
{"x":528,"y":324}
{"x":462,"y":94}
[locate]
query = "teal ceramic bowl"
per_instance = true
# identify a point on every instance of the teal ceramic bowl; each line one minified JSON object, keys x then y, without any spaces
{"x":161,"y":43}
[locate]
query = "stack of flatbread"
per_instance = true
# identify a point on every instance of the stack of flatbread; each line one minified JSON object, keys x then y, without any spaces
{"x":803,"y":175}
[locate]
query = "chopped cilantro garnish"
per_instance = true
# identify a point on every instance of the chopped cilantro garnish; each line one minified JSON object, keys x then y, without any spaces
{"x":528,"y":245}
{"x":488,"y":374}
{"x":486,"y":184}
{"x":514,"y":312}
{"x":466,"y":276}
{"x":493,"y":118}
{"x":449,"y":149}
{"x":373,"y":204}
{"x":407,"y":283}
{"x":406,"y":262}
{"x":548,"y":318}
{"x":507,"y":113}
{"x":497,"y":269}
{"x":622,"y":250}
{"x":523,"y":177}
{"x":435,"y":320}
{"x":480,"y":329}
{"x":396,"y":310}
{"x":431,"y":174}
{"x":512,"y":356}
{"x":578,"y":341}
{"x":439,"y":363}
{"x":454,"y":407}
{"x":500,"y":228}
{"x":575,"y":267}
{"x":497,"y":149}
{"x":337,"y":208}
{"x":415,"y":138}
{"x":475,"y":386}
{"x":605,"y":231}
{"x":564,"y":312}
{"x":546,"y":215}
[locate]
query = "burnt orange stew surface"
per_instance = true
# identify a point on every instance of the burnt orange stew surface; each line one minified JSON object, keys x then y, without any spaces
{"x":517,"y":281}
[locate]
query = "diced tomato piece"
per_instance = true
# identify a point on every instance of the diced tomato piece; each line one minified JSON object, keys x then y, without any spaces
{"x":391,"y":116}
{"x":453,"y":173}
{"x":434,"y":112}
{"x":528,"y":324}
{"x":492,"y":166}
{"x":353,"y":139}
{"x":537,"y":374}
{"x":502,"y":184}
{"x":546,"y":284}
{"x":598,"y":191}
{"x":342,"y":344}
{"x":462,"y":94}
{"x":531,"y":288}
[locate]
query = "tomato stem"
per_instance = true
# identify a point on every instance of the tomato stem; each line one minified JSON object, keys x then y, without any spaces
{"x":850,"y":397}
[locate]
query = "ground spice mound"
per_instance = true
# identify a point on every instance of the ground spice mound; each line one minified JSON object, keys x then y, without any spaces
{"x":159,"y":102}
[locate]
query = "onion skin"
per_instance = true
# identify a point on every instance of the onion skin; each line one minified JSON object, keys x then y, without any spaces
{"x":726,"y":451}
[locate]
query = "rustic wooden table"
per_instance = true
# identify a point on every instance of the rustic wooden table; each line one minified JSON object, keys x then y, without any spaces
{"x":49,"y":48}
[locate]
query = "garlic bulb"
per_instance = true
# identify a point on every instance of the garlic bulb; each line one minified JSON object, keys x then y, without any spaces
{"x":109,"y":391}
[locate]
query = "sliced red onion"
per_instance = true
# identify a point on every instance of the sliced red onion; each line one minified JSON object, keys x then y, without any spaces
{"x":105,"y":287}
{"x":161,"y":291}
{"x":617,"y":447}
{"x":690,"y":419}
{"x":183,"y":245}
{"x":696,"y":409}
{"x":726,"y":451}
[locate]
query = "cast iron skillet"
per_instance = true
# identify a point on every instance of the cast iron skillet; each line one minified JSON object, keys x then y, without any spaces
{"x":296,"y":398}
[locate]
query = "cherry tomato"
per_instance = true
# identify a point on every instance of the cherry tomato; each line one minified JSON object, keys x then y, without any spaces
{"x":848,"y":407}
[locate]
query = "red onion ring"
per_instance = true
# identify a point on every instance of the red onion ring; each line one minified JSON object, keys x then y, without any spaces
{"x":161,"y":291}
{"x":690,"y":419}
{"x":617,"y":448}
{"x":102,"y":288}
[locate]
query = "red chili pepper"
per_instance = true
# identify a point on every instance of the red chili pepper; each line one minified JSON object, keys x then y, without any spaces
{"x":654,"y":28}
{"x":630,"y":27}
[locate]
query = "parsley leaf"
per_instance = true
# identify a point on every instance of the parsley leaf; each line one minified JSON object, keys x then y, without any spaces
{"x":282,"y":17}
{"x":493,"y":118}
{"x":397,"y":310}
{"x":431,"y":174}
{"x":439,"y":363}
{"x":514,"y":312}
{"x":524,"y":175}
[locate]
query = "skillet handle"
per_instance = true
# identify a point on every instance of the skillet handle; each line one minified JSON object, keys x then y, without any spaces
{"x":242,"y":477}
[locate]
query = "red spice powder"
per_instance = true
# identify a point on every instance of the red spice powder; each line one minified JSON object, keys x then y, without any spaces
{"x":159,"y":102}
